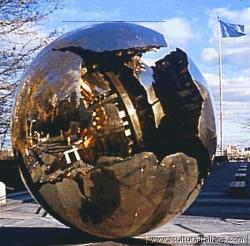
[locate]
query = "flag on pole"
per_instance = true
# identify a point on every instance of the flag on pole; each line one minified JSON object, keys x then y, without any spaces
{"x":231,"y":30}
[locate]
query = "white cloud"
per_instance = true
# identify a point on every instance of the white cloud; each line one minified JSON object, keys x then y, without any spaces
{"x":236,"y":91}
{"x":235,"y":88}
{"x":231,"y":15}
{"x":246,"y":72}
{"x":209,"y":54}
{"x":211,"y":78}
{"x":230,"y":53}
{"x":177,"y":31}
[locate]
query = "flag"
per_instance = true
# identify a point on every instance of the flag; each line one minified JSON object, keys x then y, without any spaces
{"x":231,"y":30}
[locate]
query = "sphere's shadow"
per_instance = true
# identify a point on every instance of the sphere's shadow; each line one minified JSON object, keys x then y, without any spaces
{"x":57,"y":236}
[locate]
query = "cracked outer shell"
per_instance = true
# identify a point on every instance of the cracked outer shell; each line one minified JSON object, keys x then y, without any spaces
{"x":109,"y":145}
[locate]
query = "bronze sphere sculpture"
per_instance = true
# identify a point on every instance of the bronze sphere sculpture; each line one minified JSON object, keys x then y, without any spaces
{"x":110,"y":145}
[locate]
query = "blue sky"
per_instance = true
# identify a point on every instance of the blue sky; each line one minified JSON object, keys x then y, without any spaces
{"x":190,"y":25}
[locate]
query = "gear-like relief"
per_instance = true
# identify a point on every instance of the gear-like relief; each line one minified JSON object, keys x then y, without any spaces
{"x":108,"y":144}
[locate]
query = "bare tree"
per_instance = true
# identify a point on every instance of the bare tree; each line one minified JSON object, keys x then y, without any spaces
{"x":20,"y":40}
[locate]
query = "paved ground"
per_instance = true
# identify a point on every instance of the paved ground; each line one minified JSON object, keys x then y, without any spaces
{"x":214,"y":216}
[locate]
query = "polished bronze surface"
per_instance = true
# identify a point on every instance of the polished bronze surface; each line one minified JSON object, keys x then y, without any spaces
{"x":109,"y":145}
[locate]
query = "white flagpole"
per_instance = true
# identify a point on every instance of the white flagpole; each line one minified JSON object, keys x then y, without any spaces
{"x":221,"y":87}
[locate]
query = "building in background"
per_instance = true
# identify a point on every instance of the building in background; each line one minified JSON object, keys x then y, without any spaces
{"x":234,"y":152}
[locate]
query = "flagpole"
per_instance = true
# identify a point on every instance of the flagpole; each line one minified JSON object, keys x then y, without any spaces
{"x":221,"y":86}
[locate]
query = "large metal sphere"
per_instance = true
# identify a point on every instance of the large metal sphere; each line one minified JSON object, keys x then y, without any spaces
{"x":109,"y":145}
